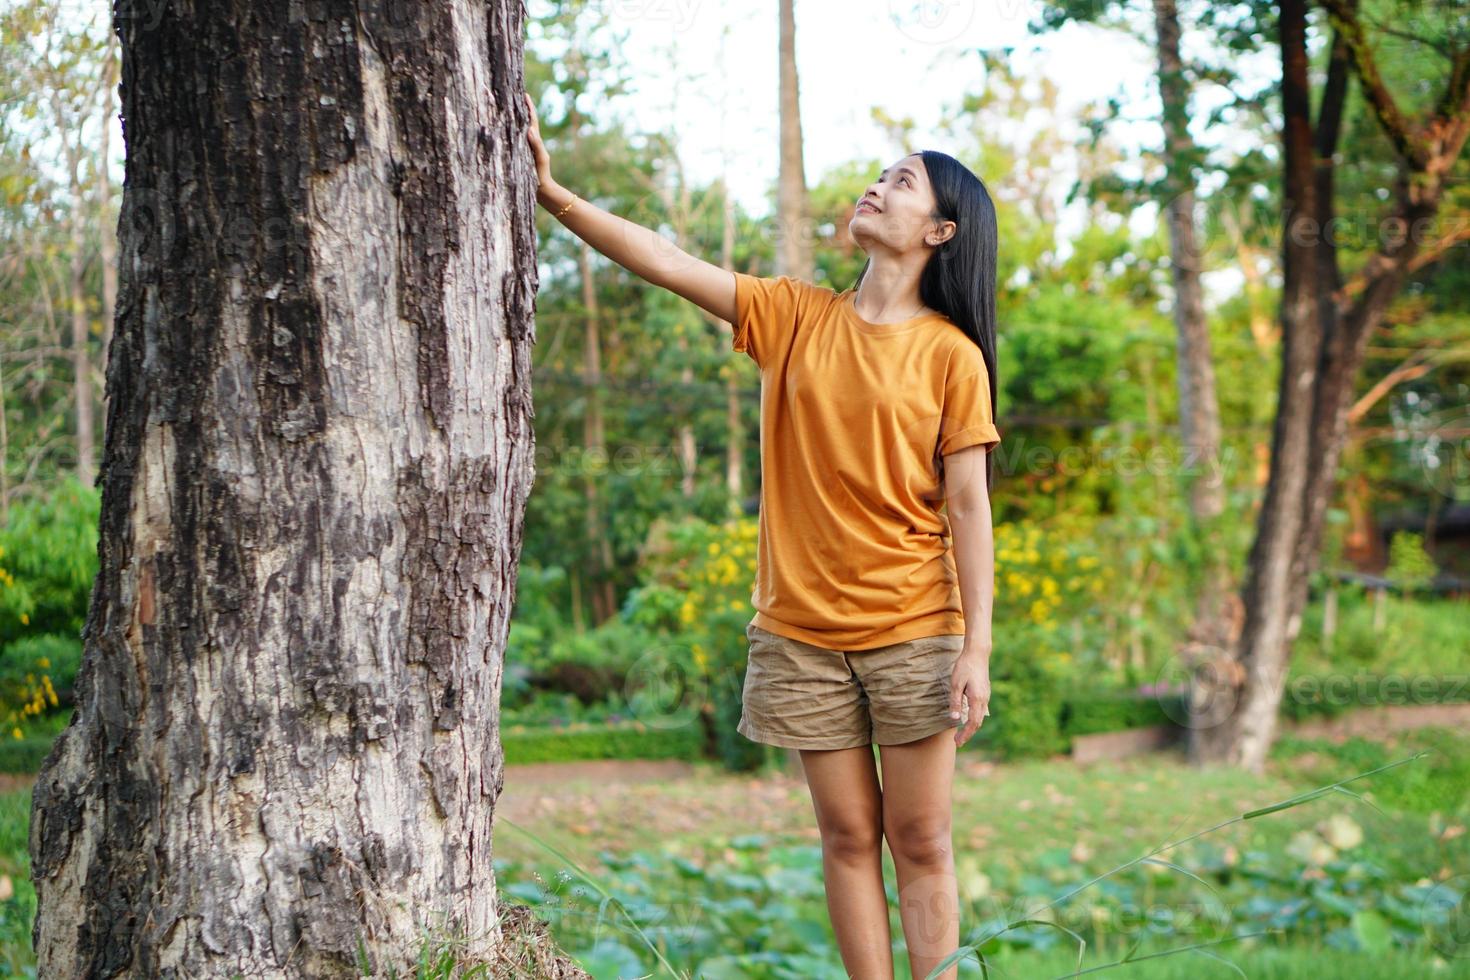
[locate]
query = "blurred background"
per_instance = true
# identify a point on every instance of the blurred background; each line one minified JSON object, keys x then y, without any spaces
{"x":625,"y":659}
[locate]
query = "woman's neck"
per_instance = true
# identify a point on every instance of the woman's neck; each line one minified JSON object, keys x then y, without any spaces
{"x":888,"y":292}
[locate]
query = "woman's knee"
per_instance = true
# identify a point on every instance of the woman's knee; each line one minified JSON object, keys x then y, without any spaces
{"x":920,"y":839}
{"x":852,"y":839}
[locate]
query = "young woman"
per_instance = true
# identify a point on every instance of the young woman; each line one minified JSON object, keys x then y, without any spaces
{"x":876,"y":408}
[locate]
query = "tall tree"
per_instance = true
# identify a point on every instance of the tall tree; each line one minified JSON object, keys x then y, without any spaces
{"x":794,"y":251}
{"x":1326,"y":320}
{"x":1199,"y":409}
{"x":318,"y":447}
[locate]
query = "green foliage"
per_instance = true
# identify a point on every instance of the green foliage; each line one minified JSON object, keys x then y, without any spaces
{"x":631,"y":740}
{"x":1410,"y":566}
{"x":48,"y":549}
{"x":1026,"y":706}
{"x":696,"y":590}
{"x":754,"y":905}
{"x":48,"y":561}
{"x":1439,"y":783}
{"x":1088,"y":711}
{"x":37,"y":674}
{"x":1412,"y":638}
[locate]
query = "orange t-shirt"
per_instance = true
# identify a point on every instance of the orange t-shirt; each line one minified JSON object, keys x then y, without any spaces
{"x":853,"y":551}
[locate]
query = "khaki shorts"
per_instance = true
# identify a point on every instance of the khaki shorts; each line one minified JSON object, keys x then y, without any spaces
{"x":802,"y":696}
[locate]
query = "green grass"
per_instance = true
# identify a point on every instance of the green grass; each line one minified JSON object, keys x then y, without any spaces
{"x":1421,"y":637}
{"x":1032,"y":828}
{"x":1258,"y":962}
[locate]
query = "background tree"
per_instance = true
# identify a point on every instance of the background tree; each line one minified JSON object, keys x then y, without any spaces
{"x":1328,"y":316}
{"x":794,"y":251}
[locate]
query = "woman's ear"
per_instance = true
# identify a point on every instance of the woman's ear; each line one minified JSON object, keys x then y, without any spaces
{"x":945,"y":232}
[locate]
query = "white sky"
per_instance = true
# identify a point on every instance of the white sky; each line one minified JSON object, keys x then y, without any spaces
{"x":900,"y":55}
{"x":907,"y":57}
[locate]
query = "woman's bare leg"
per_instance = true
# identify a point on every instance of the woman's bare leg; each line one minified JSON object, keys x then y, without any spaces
{"x":917,"y":779}
{"x":849,"y":808}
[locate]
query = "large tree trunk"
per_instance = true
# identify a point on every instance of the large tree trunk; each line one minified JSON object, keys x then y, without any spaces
{"x":317,"y":453}
{"x":1325,"y":330}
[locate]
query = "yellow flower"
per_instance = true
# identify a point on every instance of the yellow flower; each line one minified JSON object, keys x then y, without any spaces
{"x":16,"y":733}
{"x":714,"y":547}
{"x":44,"y":662}
{"x":25,"y":619}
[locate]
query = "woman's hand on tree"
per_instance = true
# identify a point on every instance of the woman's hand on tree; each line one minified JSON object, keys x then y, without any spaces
{"x":538,"y":150}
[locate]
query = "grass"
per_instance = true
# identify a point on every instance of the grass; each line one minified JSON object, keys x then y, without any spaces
{"x":1009,"y":821}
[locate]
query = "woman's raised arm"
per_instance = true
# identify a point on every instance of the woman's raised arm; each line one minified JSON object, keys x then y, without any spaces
{"x":642,"y":251}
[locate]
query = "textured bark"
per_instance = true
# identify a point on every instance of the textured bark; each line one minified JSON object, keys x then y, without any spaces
{"x":317,"y":452}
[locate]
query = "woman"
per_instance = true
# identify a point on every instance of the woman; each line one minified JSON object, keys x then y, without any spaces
{"x":876,"y":408}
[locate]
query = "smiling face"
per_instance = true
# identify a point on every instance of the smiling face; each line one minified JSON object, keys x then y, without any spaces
{"x":896,"y":211}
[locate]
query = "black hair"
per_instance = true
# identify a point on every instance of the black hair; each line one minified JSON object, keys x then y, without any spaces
{"x":959,"y":279}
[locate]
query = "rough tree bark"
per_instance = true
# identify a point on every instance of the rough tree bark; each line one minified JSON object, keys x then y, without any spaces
{"x":317,"y":452}
{"x":1326,"y":323}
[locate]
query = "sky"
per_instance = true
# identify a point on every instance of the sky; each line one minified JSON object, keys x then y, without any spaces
{"x":907,"y":58}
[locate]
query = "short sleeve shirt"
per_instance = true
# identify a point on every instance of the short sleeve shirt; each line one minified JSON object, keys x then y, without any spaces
{"x":853,"y":549}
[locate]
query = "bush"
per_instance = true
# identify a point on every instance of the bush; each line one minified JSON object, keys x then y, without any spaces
{"x":23,"y":756}
{"x":48,"y":561}
{"x":696,"y":592}
{"x":1026,"y":709}
{"x":633,"y":740}
{"x":1090,"y":713}
{"x":37,"y":674}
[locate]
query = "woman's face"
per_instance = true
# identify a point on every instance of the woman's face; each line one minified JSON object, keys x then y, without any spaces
{"x":904,"y":202}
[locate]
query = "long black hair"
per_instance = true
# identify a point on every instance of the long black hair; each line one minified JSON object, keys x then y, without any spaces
{"x":959,"y":279}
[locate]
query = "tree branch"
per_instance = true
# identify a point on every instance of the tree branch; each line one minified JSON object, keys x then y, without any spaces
{"x":1400,"y":131}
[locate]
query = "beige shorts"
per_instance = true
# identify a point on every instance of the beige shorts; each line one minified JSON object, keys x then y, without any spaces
{"x":802,"y":696}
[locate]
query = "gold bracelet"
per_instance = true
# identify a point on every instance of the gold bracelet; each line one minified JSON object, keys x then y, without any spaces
{"x":565,"y":207}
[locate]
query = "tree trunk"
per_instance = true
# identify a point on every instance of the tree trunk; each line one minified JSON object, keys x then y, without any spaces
{"x":1199,"y":409}
{"x":594,"y":439}
{"x":319,"y":444}
{"x":794,"y":250}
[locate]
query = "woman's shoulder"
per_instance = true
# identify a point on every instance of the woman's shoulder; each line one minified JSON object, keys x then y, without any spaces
{"x":960,"y":354}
